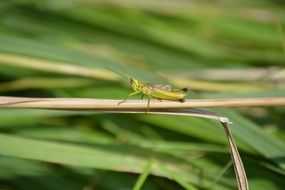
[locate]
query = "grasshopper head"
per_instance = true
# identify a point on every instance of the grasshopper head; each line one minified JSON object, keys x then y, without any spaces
{"x":134,"y":84}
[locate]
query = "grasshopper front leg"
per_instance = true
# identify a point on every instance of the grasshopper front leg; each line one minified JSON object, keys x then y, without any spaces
{"x":131,"y":94}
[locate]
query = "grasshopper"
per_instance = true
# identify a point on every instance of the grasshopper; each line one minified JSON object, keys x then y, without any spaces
{"x":156,"y":91}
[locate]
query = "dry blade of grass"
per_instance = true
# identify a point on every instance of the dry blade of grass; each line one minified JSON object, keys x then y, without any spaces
{"x":253,"y":74}
{"x":157,"y":107}
{"x":108,"y":104}
{"x":54,"y":66}
{"x":237,"y":162}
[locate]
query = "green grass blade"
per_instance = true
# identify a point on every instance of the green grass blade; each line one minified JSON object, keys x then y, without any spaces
{"x":139,"y":183}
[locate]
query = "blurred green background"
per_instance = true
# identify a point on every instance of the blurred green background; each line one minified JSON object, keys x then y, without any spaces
{"x":221,"y":48}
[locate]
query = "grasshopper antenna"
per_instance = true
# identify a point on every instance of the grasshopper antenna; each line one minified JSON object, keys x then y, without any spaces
{"x":121,"y":74}
{"x":122,"y":69}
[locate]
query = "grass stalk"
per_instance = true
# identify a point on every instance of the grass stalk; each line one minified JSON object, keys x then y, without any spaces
{"x":107,"y":104}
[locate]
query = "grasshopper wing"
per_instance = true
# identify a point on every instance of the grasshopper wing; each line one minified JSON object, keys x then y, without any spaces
{"x":160,"y":87}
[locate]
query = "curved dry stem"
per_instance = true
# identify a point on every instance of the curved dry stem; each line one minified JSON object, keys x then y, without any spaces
{"x":157,"y":107}
{"x":237,"y":162}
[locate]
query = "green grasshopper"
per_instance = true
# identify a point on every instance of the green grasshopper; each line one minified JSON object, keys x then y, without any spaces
{"x":157,"y":91}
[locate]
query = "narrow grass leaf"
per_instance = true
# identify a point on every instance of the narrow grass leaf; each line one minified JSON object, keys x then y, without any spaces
{"x":139,"y":183}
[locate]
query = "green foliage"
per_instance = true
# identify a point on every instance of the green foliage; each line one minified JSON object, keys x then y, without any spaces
{"x":153,"y":41}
